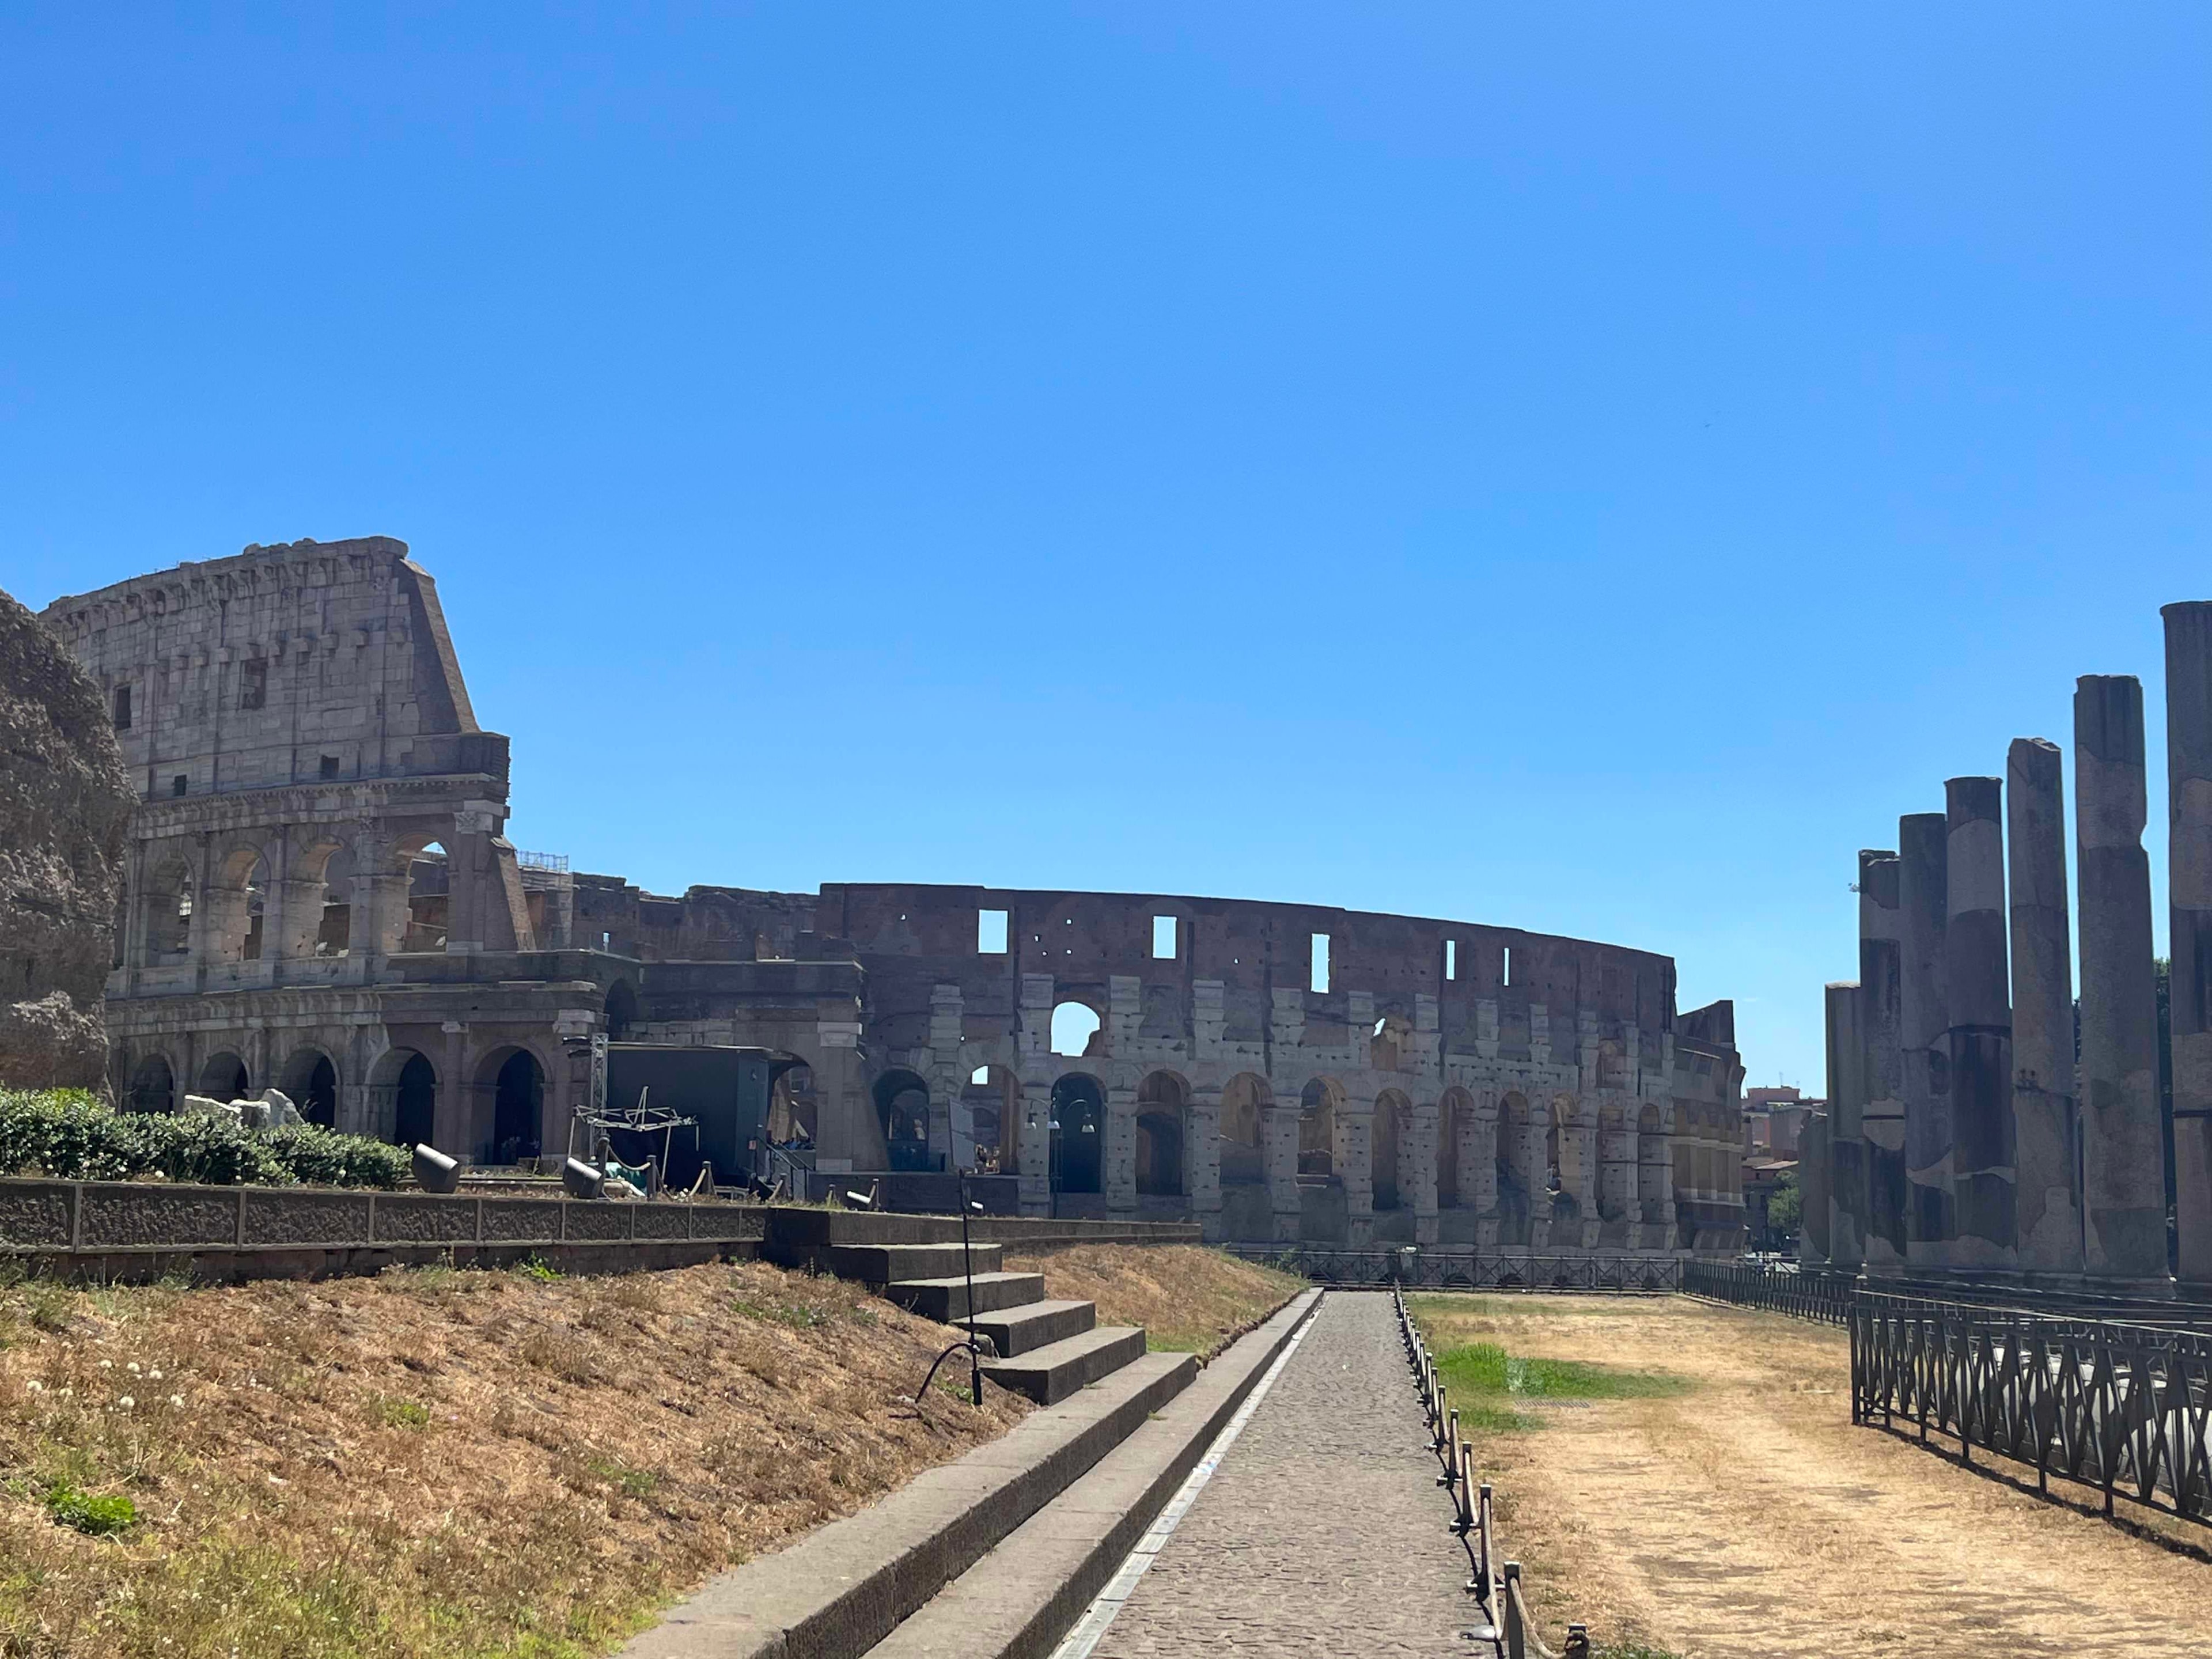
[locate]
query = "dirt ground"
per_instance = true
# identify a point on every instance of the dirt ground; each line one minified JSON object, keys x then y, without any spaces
{"x":1747,"y":1519}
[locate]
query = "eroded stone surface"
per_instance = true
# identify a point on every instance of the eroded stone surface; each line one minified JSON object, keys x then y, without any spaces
{"x":64,"y":806}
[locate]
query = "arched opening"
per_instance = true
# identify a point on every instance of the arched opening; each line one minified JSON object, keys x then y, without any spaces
{"x":1455,"y":1131}
{"x":1161,"y":1110}
{"x":430,"y":895}
{"x":903,"y":1111}
{"x":516,"y":1083}
{"x":790,"y":1105}
{"x":166,"y":922}
{"x":414,"y":1101}
{"x":1564,"y":1152}
{"x":1244,"y":1100}
{"x":223,"y":1078}
{"x":621,"y":1010}
{"x":310,"y":1081}
{"x":333,"y":934}
{"x":1386,"y":1137}
{"x":990,"y":1111}
{"x":1317,"y":1105}
{"x":1075,"y":1029}
{"x":1079,"y":1134}
{"x":153,"y":1085}
{"x":1515,"y":1179}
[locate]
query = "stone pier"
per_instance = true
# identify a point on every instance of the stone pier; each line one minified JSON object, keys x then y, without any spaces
{"x":1978,"y":998}
{"x":1814,"y":1244}
{"x":1847,"y":1182}
{"x":1923,"y":1038}
{"x":2124,"y":1153}
{"x":2046,"y":1125}
{"x":1881,"y":1067}
{"x":2189,"y":892}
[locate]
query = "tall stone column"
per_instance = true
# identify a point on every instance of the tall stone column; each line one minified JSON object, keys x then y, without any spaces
{"x":2189,"y":892}
{"x":1616,"y":1153}
{"x":1813,"y":1242}
{"x":2046,"y":1127}
{"x":1846,"y":1194}
{"x":1278,"y":1144}
{"x":1923,"y":911}
{"x":1477,"y":1166}
{"x":1352,"y":1157}
{"x":1880,"y":1078}
{"x":2123,"y":1142}
{"x":1978,"y":996}
{"x":1120,"y":1174}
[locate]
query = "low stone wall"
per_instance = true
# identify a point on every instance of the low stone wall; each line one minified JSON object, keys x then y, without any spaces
{"x":1024,"y":1232}
{"x":129,"y":1229}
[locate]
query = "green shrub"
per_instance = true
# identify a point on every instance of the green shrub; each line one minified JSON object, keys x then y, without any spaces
{"x":98,"y":1517}
{"x":69,"y":1135}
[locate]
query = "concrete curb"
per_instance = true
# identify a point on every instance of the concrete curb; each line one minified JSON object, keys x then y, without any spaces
{"x":1020,"y":1600}
{"x":844,"y":1587}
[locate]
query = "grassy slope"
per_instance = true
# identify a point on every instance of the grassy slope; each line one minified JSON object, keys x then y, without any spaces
{"x":438,"y":1463}
{"x":1188,"y":1298}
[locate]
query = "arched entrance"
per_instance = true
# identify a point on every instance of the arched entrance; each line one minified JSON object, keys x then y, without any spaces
{"x":903,"y":1113}
{"x":1244,"y":1100}
{"x":1386,"y":1139}
{"x":153,"y":1085}
{"x":414,"y":1101}
{"x":1317,"y":1104}
{"x":223,"y":1078}
{"x":1079,"y":1134}
{"x":310,"y":1081}
{"x":1162,"y":1113}
{"x":516,"y":1083}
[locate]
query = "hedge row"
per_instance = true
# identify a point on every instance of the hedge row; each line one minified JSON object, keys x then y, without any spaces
{"x":67,"y":1134}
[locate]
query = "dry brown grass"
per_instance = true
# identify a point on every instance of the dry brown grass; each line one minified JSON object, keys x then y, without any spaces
{"x":1748,"y":1519}
{"x":1188,"y":1299}
{"x":436,"y":1462}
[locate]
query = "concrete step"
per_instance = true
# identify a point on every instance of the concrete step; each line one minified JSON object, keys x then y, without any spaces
{"x":1020,"y":1600}
{"x":1026,"y":1329}
{"x":946,"y":1300}
{"x":1056,"y":1371}
{"x":792,"y":1233}
{"x":885,"y":1264}
{"x":842,"y":1588}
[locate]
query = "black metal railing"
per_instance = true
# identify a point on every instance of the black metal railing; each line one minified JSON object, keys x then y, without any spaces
{"x":2120,"y":1407}
{"x":1806,"y":1295}
{"x":1429,"y":1268}
{"x":1504,"y":1628}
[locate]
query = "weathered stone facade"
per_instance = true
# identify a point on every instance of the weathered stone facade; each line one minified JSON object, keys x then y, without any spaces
{"x":321,"y":895}
{"x":63,"y":806}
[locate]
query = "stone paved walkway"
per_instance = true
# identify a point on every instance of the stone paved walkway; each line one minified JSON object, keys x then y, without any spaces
{"x":1323,"y":1531}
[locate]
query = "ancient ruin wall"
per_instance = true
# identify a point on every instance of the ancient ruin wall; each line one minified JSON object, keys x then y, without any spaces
{"x":64,"y":808}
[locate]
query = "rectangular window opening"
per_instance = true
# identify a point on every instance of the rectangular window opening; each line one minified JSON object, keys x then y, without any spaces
{"x":253,"y":688}
{"x":1320,"y":961}
{"x":123,"y":708}
{"x":329,"y":767}
{"x":990,"y":933}
{"x":1451,"y":958}
{"x":179,"y":784}
{"x":1505,"y":973}
{"x":1164,"y":938}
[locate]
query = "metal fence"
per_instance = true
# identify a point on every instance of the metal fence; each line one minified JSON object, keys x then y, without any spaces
{"x":2120,"y":1407}
{"x":1808,"y":1295}
{"x":1468,"y":1270}
{"x":1504,"y":1628}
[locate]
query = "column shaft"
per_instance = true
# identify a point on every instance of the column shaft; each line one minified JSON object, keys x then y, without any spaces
{"x":1977,"y":997}
{"x":1924,"y":909}
{"x":1881,"y":1082}
{"x":2122,"y":1141}
{"x":2189,"y":892}
{"x":2047,"y":1129}
{"x":1845,"y":1188}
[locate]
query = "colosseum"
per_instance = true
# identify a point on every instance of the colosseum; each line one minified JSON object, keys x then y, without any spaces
{"x":321,"y":896}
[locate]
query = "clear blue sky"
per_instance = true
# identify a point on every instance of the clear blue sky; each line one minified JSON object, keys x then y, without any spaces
{"x":1587,"y":468}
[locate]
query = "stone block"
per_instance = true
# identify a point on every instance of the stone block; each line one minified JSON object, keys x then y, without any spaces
{"x":35,"y":1212}
{"x":124,"y":1215}
{"x":278,"y":1217}
{"x":408,"y":1219}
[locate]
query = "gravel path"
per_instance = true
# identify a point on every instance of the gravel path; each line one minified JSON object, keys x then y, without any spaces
{"x":1323,"y":1531}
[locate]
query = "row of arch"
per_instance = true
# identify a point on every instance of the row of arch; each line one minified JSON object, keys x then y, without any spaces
{"x":403,"y":1088}
{"x":1529,"y":1171}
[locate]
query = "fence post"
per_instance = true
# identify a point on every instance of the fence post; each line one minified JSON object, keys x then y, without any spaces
{"x":1516,"y":1638}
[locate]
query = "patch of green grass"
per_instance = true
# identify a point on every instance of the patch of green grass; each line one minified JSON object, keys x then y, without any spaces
{"x":96,"y":1517}
{"x":1173,"y":1342}
{"x":1486,"y":1383}
{"x":628,"y":1481}
{"x":798,"y":1316}
{"x":395,"y":1413}
{"x":530,"y":1267}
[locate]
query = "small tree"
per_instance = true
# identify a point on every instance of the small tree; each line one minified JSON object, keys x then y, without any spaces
{"x":1786,"y":1207}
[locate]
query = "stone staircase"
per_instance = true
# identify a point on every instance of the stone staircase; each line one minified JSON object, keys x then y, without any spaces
{"x":1045,"y":1349}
